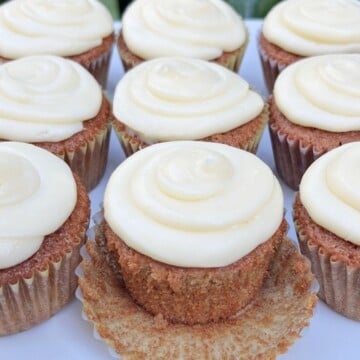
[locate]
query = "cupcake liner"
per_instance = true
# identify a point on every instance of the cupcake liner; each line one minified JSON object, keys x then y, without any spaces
{"x":131,"y":143}
{"x":339,"y":282}
{"x":33,"y":300}
{"x":265,"y":328}
{"x":291,"y":158}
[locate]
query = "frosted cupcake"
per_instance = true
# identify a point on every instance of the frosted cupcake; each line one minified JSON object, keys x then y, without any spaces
{"x":186,"y":99}
{"x":44,"y":216}
{"x":81,"y":30}
{"x":315,"y":108}
{"x":56,"y":104}
{"x":204,"y":29}
{"x":326,"y":216}
{"x":295,"y":29}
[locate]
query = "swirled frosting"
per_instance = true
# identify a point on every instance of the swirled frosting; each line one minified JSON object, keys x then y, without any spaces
{"x":315,"y":27}
{"x":193,"y":203}
{"x":330,"y":192}
{"x":64,"y":28}
{"x":183,"y":99}
{"x":45,"y":98}
{"x":201,"y":29}
{"x":37,"y":195}
{"x":321,"y":92}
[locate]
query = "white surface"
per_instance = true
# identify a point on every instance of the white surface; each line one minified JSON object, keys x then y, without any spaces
{"x":67,"y":336}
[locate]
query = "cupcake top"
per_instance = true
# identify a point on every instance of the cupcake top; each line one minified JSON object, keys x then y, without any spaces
{"x":322,"y":92}
{"x":45,"y":98}
{"x":64,"y":28}
{"x":314,"y":27}
{"x":37,"y":195}
{"x":183,"y":99}
{"x":330,"y":192}
{"x":202,"y":29}
{"x":193,"y":204}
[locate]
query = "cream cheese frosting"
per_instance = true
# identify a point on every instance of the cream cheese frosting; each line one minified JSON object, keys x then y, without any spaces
{"x":329,"y":191}
{"x":314,"y":27}
{"x":193,"y":203}
{"x":201,"y":29}
{"x":321,"y":92}
{"x":176,"y":98}
{"x":37,"y":195}
{"x":45,"y":98}
{"x":64,"y":28}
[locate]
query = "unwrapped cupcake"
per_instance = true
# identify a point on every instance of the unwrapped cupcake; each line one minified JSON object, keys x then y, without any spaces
{"x":204,"y":29}
{"x":315,"y":108}
{"x":192,"y":236}
{"x":326,"y":217}
{"x":295,"y":29}
{"x":81,"y":30}
{"x":56,"y":104}
{"x":44,"y":214}
{"x":186,"y":99}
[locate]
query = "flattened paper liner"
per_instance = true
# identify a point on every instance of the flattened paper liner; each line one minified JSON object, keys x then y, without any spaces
{"x":264,"y":329}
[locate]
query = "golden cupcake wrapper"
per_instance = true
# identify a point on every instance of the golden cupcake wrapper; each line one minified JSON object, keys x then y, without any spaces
{"x":89,"y":159}
{"x":339,"y":282}
{"x":271,"y":68}
{"x":131,"y":144}
{"x":33,"y":300}
{"x":99,"y":67}
{"x":264,"y":329}
{"x":291,"y":159}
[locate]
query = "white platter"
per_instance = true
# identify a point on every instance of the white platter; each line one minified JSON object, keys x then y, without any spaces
{"x":67,"y":336}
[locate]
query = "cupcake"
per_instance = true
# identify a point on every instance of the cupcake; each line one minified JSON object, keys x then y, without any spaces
{"x":176,"y":98}
{"x":295,"y":29}
{"x":44,"y":216}
{"x":81,"y":30}
{"x":204,"y":29}
{"x":326,"y":217}
{"x":314,"y":108}
{"x":191,"y":230}
{"x":56,"y":104}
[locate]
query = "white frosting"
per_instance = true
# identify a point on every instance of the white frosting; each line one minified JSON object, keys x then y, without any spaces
{"x":37,"y":195}
{"x":202,"y":29}
{"x":330,"y":191}
{"x":64,"y":28}
{"x":314,"y":27}
{"x":183,"y":98}
{"x":45,"y":98}
{"x":193,"y":204}
{"x":321,"y":92}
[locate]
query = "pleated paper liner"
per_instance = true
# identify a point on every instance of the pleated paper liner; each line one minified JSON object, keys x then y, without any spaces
{"x":231,"y":60}
{"x":239,"y":137}
{"x":264,"y":329}
{"x":339,"y":281}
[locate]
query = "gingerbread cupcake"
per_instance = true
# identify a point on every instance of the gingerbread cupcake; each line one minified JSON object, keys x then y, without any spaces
{"x":44,"y":216}
{"x":81,"y":30}
{"x":295,"y":29}
{"x":191,"y":231}
{"x":326,"y":216}
{"x":207,"y":29}
{"x":56,"y":104}
{"x":314,"y":108}
{"x":186,"y":99}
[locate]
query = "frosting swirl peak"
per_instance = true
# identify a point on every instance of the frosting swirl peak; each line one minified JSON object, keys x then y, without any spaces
{"x":193,"y":204}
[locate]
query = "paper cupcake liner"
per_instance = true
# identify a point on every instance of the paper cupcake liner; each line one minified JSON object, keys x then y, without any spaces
{"x":131,"y":143}
{"x":264,"y":329}
{"x":291,"y":159}
{"x":339,"y":283}
{"x":33,"y":300}
{"x":89,"y":159}
{"x":99,"y":67}
{"x":271,"y":68}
